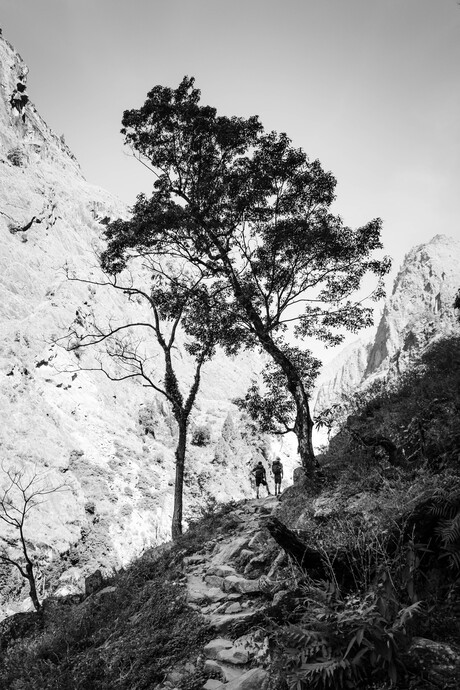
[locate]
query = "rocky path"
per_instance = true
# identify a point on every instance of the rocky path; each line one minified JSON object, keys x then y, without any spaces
{"x":225,"y":584}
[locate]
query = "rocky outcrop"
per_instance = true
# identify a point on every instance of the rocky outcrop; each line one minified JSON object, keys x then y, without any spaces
{"x":419,"y":311}
{"x":112,"y":444}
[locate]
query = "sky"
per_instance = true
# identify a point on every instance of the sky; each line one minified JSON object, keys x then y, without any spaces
{"x":370,"y":87}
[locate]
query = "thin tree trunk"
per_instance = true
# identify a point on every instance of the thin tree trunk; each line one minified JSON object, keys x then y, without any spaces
{"x":179,"y":482}
{"x":32,"y":587}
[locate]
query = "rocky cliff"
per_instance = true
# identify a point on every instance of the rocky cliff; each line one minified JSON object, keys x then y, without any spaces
{"x":111,"y":443}
{"x":419,"y":310}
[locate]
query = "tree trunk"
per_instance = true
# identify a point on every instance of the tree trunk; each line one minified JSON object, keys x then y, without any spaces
{"x":307,"y":559}
{"x":319,"y":566}
{"x":303,"y":426}
{"x":32,"y":586}
{"x":179,"y":482}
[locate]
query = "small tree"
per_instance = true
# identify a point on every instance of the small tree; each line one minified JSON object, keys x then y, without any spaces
{"x":175,"y":298}
{"x":252,"y":214}
{"x":19,"y":496}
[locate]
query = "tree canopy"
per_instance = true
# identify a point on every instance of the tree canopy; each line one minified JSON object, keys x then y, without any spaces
{"x":245,"y":212}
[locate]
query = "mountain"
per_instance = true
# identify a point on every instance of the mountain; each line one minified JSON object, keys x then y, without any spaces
{"x":112,"y":444}
{"x":419,"y":311}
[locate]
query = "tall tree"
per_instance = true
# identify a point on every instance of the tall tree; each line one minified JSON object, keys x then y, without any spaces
{"x":251,"y":213}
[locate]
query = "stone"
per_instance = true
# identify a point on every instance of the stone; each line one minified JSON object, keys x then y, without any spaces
{"x":233,"y":608}
{"x":212,"y":684}
{"x":438,"y":662}
{"x":229,"y":550}
{"x":223,"y":622}
{"x":213,"y":666}
{"x":254,"y":679}
{"x":233,"y":656}
{"x":214,"y":580}
{"x":213,"y":647}
{"x":221,"y":570}
{"x":234,"y":583}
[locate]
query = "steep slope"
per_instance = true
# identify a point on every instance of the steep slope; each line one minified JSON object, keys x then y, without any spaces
{"x":419,"y":311}
{"x":111,"y":443}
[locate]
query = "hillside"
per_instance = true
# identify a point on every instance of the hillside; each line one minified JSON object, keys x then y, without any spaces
{"x":418,"y":312}
{"x":111,"y":443}
{"x":351,"y":585}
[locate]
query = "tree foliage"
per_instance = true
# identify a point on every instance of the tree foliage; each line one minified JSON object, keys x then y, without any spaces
{"x":246,"y":212}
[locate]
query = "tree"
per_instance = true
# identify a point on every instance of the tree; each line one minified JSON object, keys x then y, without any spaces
{"x":175,"y":298}
{"x":19,"y":496}
{"x":251,"y":213}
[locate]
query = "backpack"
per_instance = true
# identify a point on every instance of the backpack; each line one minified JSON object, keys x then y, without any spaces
{"x":260,"y":472}
{"x":277,"y":467}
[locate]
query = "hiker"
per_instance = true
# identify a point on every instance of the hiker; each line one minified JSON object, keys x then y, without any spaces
{"x":277,"y":470}
{"x":261,"y":477}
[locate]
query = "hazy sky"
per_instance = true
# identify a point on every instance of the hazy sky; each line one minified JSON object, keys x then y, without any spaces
{"x":370,"y":87}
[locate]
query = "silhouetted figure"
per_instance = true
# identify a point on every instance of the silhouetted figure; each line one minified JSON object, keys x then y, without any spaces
{"x":261,"y":477}
{"x":277,"y":470}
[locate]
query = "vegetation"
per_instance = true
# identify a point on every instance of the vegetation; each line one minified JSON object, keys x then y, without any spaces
{"x":247,"y":213}
{"x":175,"y":299}
{"x":127,"y":637}
{"x":392,"y":527}
{"x":19,"y":495}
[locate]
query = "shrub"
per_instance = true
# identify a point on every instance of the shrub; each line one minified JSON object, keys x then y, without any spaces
{"x":201,"y":436}
{"x":17,"y":156}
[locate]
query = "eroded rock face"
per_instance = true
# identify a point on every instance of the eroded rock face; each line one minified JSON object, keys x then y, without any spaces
{"x":419,"y":311}
{"x":111,"y":443}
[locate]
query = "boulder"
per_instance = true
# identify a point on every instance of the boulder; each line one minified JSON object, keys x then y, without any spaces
{"x":254,"y":679}
{"x":212,"y":649}
{"x":214,"y":580}
{"x":233,"y":608}
{"x":233,"y":656}
{"x":221,"y":570}
{"x":234,"y":583}
{"x":212,"y":684}
{"x":439,"y":663}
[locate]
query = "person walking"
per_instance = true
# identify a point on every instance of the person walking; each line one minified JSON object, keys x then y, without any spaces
{"x":261,"y":477}
{"x":277,"y":470}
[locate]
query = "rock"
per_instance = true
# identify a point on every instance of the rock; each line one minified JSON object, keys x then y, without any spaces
{"x":193,"y":560}
{"x":418,"y":311}
{"x":214,"y":580}
{"x":233,"y":608}
{"x":212,"y":684}
{"x":174,"y":677}
{"x":213,"y":647}
{"x":258,"y":540}
{"x":438,"y":662}
{"x":213,"y":666}
{"x":233,"y":656}
{"x":234,"y":583}
{"x":221,"y":570}
{"x":245,"y":556}
{"x":223,"y":622}
{"x":254,"y":679}
{"x":229,"y":550}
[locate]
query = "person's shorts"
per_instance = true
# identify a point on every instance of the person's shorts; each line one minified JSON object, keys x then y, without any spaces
{"x":260,"y":481}
{"x":277,"y":478}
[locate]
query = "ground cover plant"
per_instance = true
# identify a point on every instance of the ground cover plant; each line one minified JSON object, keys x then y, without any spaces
{"x":387,"y":535}
{"x":125,"y":637}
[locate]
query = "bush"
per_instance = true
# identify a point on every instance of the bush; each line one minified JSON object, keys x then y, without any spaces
{"x":201,"y":436}
{"x":17,"y":156}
